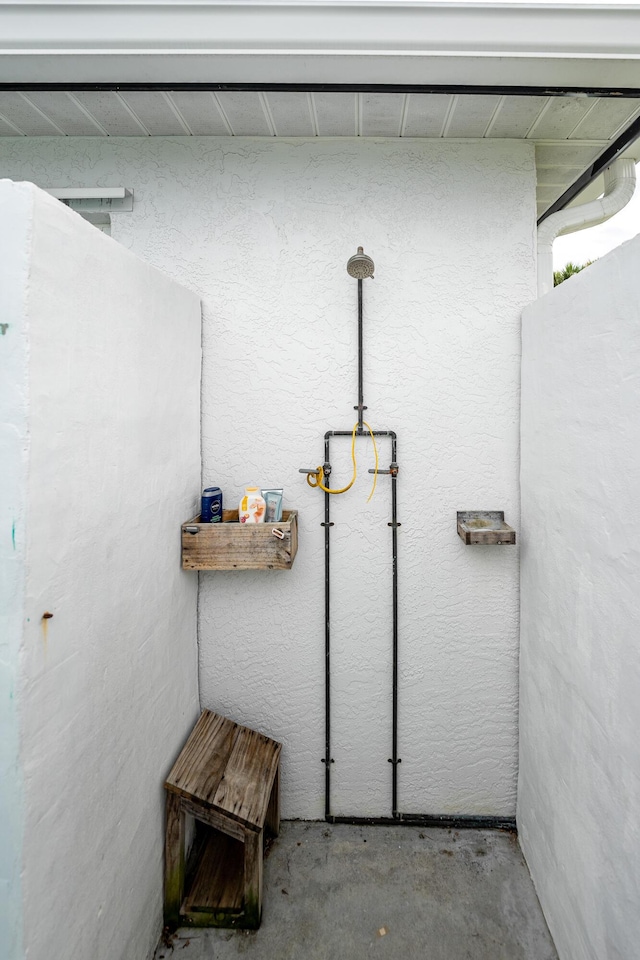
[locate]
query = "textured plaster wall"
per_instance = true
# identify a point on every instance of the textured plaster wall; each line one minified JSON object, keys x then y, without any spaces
{"x":15,"y":234}
{"x":579,"y":789}
{"x":262,"y":230}
{"x":108,"y":684}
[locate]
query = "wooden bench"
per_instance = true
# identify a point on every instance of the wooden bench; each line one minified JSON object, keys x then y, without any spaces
{"x":228,"y":778}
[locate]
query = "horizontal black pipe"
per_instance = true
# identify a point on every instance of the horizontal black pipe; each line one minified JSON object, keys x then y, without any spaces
{"x":452,"y":88}
{"x":462,"y":822}
{"x":348,"y":433}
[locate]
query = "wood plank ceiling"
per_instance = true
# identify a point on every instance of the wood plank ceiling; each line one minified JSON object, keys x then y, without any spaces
{"x":569,"y":132}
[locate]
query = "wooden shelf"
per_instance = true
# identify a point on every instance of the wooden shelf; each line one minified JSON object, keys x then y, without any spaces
{"x":231,"y":545}
{"x":484,"y":527}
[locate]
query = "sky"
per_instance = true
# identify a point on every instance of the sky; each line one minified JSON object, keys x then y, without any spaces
{"x":593,"y":243}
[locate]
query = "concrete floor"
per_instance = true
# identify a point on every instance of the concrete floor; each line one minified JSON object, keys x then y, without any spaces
{"x":346,"y":893}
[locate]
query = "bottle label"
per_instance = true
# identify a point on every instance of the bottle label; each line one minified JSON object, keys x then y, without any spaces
{"x":252,"y":509}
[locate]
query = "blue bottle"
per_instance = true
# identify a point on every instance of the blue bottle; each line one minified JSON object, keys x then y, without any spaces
{"x":211,"y":509}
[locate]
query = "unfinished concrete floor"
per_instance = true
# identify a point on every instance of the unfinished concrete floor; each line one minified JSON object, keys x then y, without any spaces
{"x":346,"y":893}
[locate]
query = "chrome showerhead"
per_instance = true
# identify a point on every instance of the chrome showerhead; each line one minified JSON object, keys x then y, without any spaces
{"x":360,"y":266}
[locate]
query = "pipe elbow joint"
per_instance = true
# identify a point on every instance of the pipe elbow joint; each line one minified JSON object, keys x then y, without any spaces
{"x":619,"y":187}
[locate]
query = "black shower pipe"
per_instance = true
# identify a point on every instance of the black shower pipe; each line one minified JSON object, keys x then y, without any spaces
{"x":393,"y":472}
{"x":457,"y":821}
{"x":452,"y":821}
{"x":361,"y":407}
{"x":462,"y":822}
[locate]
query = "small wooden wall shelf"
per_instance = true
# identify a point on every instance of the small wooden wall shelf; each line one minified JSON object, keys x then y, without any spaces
{"x":231,"y":545}
{"x":484,"y":526}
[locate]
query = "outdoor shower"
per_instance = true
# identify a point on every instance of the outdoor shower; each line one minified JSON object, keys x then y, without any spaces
{"x":361,"y":267}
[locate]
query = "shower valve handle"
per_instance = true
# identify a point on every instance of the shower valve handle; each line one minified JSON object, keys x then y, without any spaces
{"x":393,"y":470}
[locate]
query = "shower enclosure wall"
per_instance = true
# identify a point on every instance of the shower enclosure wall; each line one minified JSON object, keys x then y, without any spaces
{"x":261,"y":230}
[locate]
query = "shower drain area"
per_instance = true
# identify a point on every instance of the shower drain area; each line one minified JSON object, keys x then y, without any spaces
{"x":342,"y":891}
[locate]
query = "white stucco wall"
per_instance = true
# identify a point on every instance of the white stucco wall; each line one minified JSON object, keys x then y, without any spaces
{"x":107,"y":688}
{"x":15,"y":233}
{"x":579,"y":789}
{"x":262,"y":230}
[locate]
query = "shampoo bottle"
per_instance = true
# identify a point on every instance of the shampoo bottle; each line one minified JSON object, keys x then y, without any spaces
{"x":252,"y":506}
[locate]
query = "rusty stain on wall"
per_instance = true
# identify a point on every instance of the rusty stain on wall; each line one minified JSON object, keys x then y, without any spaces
{"x":46,"y":616}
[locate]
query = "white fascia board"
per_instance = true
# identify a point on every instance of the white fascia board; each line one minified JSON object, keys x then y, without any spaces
{"x":165,"y":69}
{"x":320,"y":41}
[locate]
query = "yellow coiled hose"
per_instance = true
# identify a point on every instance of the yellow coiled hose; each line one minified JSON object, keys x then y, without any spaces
{"x":315,"y":479}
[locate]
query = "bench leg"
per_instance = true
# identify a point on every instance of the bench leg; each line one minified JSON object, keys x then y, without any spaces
{"x":253,"y":879}
{"x":174,"y":860}
{"x":272,"y":821}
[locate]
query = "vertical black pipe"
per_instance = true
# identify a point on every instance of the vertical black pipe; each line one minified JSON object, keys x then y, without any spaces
{"x":394,"y":548}
{"x":360,"y":363}
{"x":327,"y":647}
{"x":327,"y":615}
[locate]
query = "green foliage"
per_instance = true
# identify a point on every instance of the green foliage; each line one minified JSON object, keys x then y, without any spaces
{"x":568,"y":271}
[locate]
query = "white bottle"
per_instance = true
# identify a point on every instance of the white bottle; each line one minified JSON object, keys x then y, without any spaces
{"x":252,"y":506}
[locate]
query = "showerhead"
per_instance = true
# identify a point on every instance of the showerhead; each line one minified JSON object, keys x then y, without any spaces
{"x":360,"y":266}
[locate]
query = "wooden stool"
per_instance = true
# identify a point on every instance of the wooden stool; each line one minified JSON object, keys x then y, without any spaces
{"x":227,"y":777}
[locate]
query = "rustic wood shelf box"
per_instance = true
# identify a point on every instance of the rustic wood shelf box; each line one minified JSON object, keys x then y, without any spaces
{"x":228,"y":778}
{"x":231,"y":545}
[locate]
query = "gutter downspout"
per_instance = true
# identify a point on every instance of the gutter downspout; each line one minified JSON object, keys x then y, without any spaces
{"x":619,"y":187}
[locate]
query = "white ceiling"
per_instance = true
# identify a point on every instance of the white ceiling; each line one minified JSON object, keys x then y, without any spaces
{"x":569,"y":132}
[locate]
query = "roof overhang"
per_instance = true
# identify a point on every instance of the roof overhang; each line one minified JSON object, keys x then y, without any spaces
{"x":395,"y":42}
{"x":505,"y":48}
